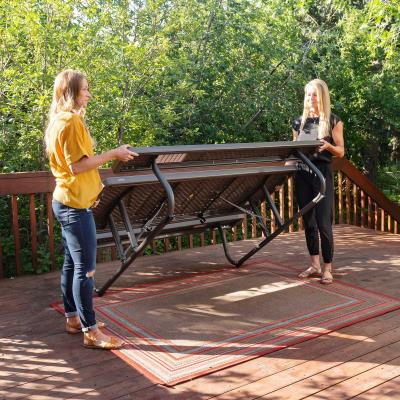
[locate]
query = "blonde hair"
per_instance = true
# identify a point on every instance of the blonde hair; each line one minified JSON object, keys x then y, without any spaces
{"x":67,"y":86}
{"x":324,"y":107}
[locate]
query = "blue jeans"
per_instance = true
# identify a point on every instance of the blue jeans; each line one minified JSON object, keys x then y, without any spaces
{"x":79,"y":239}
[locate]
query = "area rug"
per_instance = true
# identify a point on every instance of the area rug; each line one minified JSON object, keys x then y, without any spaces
{"x":179,"y":329}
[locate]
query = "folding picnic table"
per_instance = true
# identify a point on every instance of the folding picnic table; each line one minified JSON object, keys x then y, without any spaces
{"x":172,"y":190}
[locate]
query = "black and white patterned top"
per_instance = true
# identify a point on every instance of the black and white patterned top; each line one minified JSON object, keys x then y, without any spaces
{"x":310,"y":132}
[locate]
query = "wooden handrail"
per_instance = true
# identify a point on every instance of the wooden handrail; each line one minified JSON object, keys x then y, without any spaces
{"x":33,"y":182}
{"x":360,"y":180}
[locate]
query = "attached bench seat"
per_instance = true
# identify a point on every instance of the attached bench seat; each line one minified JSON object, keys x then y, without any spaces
{"x":188,"y":224}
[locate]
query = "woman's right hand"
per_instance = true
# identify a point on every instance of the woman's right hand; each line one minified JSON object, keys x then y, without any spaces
{"x":122,"y":153}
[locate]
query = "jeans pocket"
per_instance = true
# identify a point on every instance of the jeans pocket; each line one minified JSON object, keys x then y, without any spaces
{"x":75,"y":215}
{"x":61,"y":212}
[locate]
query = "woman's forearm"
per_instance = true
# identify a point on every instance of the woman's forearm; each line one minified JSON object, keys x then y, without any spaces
{"x":337,"y":151}
{"x":88,"y":163}
{"x":121,"y":153}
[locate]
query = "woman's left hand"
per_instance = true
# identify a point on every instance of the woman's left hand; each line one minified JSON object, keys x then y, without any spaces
{"x":325,"y":146}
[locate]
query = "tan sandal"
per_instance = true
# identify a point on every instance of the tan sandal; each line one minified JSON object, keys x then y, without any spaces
{"x":310,"y":272}
{"x":75,"y":327}
{"x":112,"y":342}
{"x":327,"y":277}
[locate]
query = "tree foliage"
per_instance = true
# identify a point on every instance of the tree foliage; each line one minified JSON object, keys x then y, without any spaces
{"x":200,"y":71}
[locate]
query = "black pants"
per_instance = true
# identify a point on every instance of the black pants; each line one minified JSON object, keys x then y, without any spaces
{"x":319,"y":219}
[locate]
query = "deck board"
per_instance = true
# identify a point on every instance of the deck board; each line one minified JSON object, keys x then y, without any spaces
{"x":39,"y":361}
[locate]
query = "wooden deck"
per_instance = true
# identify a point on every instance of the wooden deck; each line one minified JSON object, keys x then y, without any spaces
{"x":39,"y":361}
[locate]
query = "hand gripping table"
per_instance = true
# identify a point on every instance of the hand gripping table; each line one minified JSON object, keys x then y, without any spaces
{"x":172,"y":190}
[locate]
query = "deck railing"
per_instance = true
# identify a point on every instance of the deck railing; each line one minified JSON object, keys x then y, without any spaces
{"x":30,"y":239}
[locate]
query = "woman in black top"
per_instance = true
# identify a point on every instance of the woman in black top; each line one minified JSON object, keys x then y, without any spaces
{"x":317,"y":122}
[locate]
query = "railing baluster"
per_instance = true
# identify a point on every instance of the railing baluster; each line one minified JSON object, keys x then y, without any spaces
{"x":50,"y":230}
{"x":264,"y":215}
{"x":334,"y":208}
{"x":202,"y":239}
{"x":1,"y":262}
{"x":383,"y":220}
{"x":15,"y":227}
{"x":300,"y":222}
{"x":355,"y":205}
{"x":98,"y":256}
{"x":153,"y":246}
{"x":376,"y":218}
{"x":253,"y":228}
{"x":347,"y":200}
{"x":369,"y":212}
{"x":389,"y":223}
{"x":272,"y":216}
{"x":340,"y":197}
{"x":166,"y":245}
{"x":362,"y":210}
{"x":395,"y":227}
{"x":234,"y":233}
{"x":32,"y":215}
{"x":179,"y":242}
{"x":244,"y":227}
{"x":282,"y":202}
{"x":113,"y":254}
{"x":290,"y":201}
